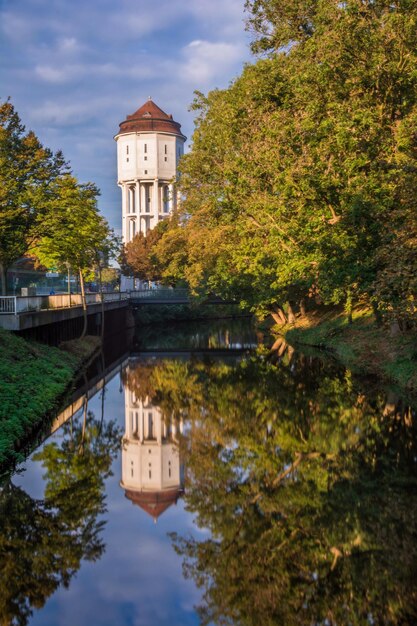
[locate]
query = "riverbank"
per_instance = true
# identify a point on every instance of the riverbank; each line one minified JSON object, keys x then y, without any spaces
{"x":362,"y":346}
{"x":34,"y":379}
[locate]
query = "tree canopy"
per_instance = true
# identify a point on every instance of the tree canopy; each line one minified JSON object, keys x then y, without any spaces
{"x":44,"y":211}
{"x":303,"y":479}
{"x":302,"y":174}
{"x":28,"y":172}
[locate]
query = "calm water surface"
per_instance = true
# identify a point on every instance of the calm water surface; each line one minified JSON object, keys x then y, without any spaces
{"x":204,"y":480}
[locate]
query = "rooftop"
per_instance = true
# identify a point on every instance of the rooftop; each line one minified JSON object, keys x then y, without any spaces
{"x":154,"y":502}
{"x":150,"y":118}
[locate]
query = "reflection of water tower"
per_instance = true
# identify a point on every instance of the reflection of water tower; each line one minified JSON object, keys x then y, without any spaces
{"x":152,"y":475}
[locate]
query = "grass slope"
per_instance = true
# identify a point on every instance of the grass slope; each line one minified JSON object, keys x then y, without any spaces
{"x":361,"y":346}
{"x":33,"y":379}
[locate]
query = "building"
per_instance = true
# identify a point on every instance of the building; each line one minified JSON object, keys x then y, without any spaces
{"x":152,"y":474}
{"x":149,"y":146}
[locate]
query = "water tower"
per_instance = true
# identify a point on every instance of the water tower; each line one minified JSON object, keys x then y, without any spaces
{"x":149,"y":146}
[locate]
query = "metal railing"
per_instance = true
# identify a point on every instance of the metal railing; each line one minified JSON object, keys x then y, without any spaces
{"x":25,"y":304}
{"x":161,"y":293}
{"x":7,"y":304}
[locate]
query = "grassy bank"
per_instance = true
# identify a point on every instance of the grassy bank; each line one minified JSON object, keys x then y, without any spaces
{"x":361,"y":346}
{"x":33,"y":381}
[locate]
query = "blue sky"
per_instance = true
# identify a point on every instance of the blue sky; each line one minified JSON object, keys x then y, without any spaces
{"x":74,"y":69}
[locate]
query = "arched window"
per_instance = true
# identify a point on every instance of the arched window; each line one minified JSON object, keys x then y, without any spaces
{"x":132,"y":229}
{"x":132,"y":198}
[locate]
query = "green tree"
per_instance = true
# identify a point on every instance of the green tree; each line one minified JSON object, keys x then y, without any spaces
{"x":27,"y":173}
{"x":74,"y":233}
{"x":138,"y":256}
{"x":303,"y":170}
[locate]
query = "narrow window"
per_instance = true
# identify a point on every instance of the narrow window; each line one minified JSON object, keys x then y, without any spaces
{"x":127,"y":160}
{"x":166,"y":149}
{"x":150,"y":425}
{"x":169,"y":473}
{"x":127,"y":149}
{"x":165,"y":158}
{"x":145,"y":148}
{"x":146,"y":171}
{"x":150,"y":474}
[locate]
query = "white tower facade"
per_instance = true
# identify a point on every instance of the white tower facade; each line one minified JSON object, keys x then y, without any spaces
{"x":152,"y":474}
{"x":149,"y":146}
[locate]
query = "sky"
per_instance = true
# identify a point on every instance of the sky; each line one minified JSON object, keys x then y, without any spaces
{"x":74,"y":69}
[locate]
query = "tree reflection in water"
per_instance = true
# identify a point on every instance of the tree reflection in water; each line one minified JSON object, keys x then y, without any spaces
{"x":307,"y":484}
{"x":42,"y":542}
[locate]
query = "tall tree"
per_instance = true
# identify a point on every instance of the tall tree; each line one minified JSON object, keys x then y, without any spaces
{"x":74,"y":233}
{"x":138,"y":256}
{"x":27,"y":172}
{"x":302,"y":171}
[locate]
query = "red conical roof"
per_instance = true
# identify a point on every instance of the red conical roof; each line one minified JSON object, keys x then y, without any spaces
{"x":154,"y":502}
{"x":150,"y":118}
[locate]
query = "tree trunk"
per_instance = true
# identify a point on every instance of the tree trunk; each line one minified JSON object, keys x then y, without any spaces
{"x":3,"y":279}
{"x":377,"y":314}
{"x":394,"y":329}
{"x":349,"y":306}
{"x":390,"y":404}
{"x":84,"y":303}
{"x":291,"y":315}
{"x":102,"y":301}
{"x":303,"y":310}
{"x":103,"y":390}
{"x":278,"y":316}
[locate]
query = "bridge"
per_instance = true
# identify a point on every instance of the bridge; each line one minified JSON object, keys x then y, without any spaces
{"x":23,"y":312}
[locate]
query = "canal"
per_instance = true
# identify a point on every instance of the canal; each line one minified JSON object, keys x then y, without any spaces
{"x":199,"y":477}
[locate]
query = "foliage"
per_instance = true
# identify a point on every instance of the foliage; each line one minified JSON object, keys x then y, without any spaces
{"x":302,"y":175}
{"x":304,"y":485}
{"x":110,"y":277}
{"x":27,"y":173}
{"x":42,"y":542}
{"x":74,"y":232}
{"x":75,"y":235}
{"x":361,"y":345}
{"x":34,"y":378}
{"x":44,"y":211}
{"x":138,"y":258}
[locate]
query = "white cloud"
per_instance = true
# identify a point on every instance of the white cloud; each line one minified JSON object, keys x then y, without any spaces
{"x":207,"y":61}
{"x":222,"y":18}
{"x":57,"y":75}
{"x":60,"y":74}
{"x":64,"y":114}
{"x":69,"y":45}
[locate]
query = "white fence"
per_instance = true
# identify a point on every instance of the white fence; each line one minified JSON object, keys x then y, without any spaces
{"x":24,"y":304}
